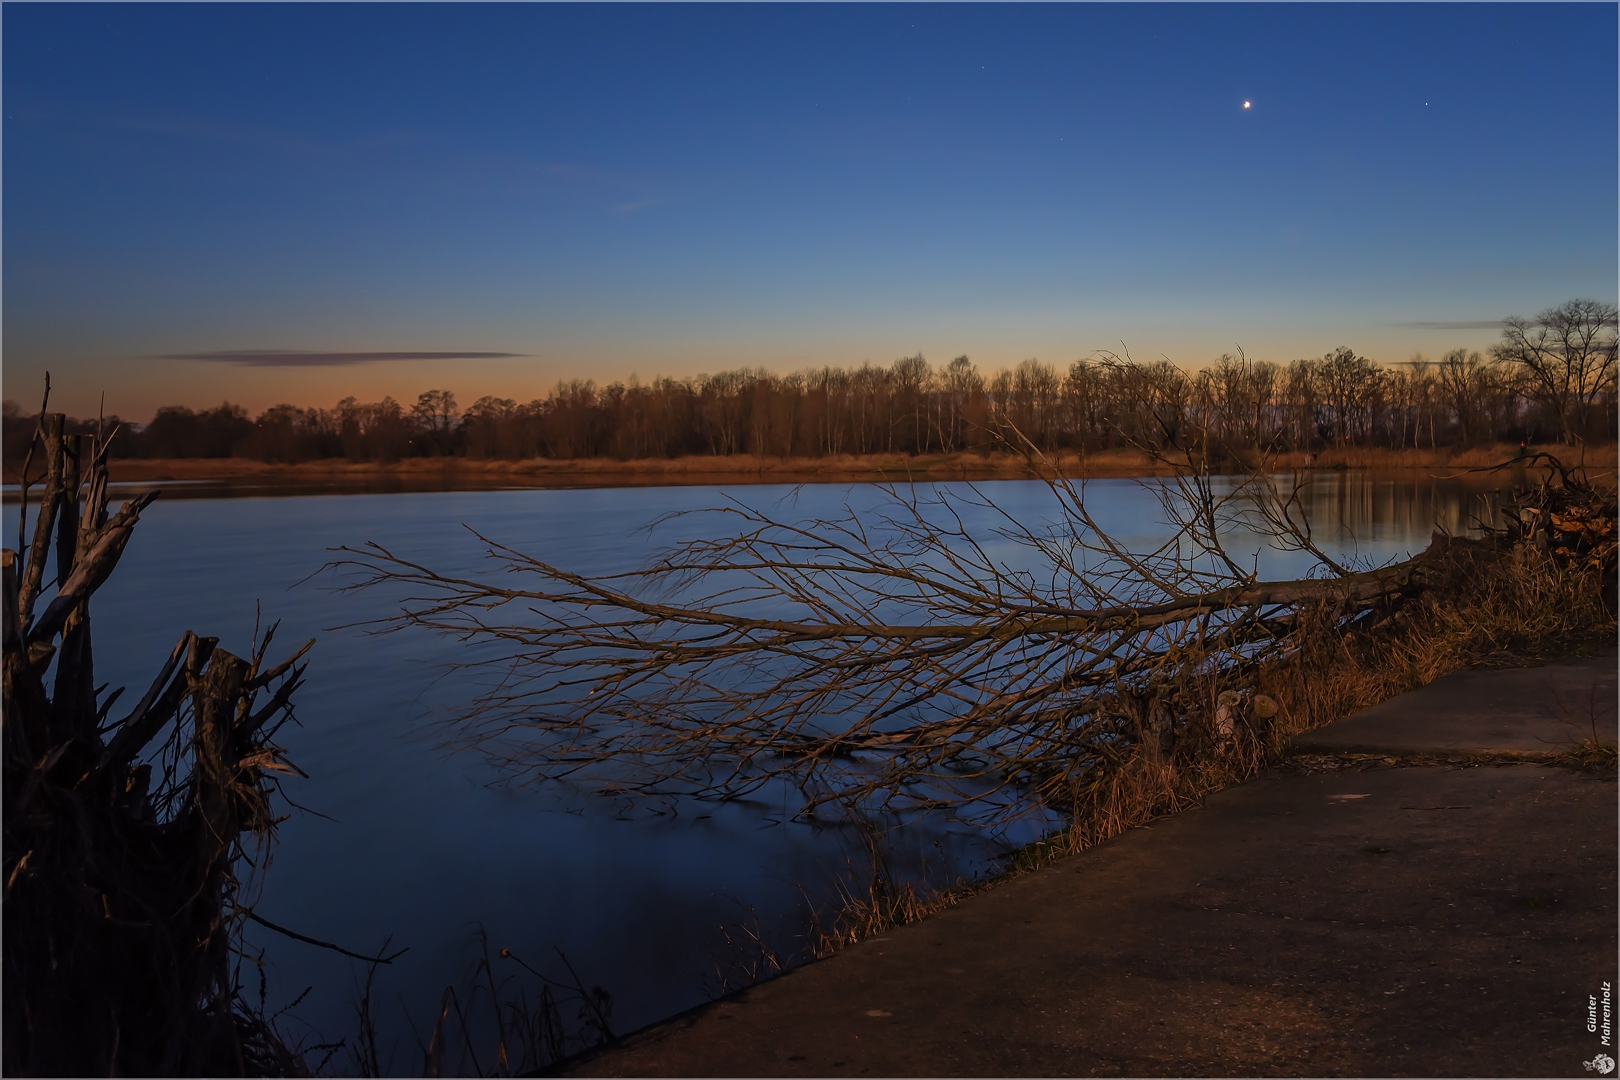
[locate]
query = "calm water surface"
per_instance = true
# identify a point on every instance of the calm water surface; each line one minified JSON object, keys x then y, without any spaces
{"x":402,"y":841}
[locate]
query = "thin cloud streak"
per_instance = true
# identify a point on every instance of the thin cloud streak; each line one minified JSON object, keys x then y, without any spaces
{"x":303,"y":358}
{"x":1460,"y":324}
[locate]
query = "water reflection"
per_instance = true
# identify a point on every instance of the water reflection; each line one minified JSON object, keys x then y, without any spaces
{"x":1377,"y":507}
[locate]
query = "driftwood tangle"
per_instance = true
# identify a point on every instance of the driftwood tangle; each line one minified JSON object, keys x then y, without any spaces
{"x":122,"y":840}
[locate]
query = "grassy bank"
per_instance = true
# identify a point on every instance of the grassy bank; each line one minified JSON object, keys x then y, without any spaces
{"x":748,"y":468}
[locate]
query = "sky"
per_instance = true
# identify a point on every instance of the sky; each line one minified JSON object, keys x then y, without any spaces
{"x":268,"y":203}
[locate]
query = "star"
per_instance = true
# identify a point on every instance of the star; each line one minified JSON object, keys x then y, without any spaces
{"x":1246,"y":104}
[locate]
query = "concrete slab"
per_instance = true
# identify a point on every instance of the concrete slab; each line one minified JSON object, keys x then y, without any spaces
{"x":1536,"y":710}
{"x":1393,"y":921}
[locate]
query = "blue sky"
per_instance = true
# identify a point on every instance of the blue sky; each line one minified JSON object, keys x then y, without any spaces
{"x":612,"y":189}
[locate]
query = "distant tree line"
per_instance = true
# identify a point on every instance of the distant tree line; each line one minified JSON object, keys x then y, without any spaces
{"x":1550,"y":379}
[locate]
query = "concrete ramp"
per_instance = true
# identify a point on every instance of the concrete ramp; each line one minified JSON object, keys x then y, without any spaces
{"x":1503,"y":711}
{"x":1423,"y":918}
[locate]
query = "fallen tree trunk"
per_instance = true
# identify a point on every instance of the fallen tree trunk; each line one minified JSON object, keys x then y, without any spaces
{"x":882,"y":664}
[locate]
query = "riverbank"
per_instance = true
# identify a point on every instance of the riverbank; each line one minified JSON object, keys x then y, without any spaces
{"x":1441,"y":901}
{"x":747,"y":468}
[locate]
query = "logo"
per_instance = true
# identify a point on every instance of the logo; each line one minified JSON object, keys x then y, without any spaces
{"x":1603,"y":1064}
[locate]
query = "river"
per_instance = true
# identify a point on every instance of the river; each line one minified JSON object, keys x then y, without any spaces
{"x":404,"y":842}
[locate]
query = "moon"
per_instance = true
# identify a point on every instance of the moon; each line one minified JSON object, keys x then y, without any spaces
{"x":1246,"y":104}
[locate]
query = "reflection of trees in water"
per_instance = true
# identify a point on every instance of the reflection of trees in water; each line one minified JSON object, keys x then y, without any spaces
{"x":1361,"y":503}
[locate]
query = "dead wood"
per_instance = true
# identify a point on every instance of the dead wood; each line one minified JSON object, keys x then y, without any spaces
{"x":122,"y":844}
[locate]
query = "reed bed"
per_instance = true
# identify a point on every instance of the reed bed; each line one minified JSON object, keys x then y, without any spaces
{"x":757,"y":468}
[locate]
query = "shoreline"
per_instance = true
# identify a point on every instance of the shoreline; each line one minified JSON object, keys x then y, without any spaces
{"x":1317,"y":855}
{"x":750,"y":469}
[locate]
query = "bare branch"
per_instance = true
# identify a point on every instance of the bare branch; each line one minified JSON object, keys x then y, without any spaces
{"x":877,"y":659}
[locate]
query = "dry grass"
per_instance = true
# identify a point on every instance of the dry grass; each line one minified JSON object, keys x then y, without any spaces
{"x":748,"y":468}
{"x":492,"y":1022}
{"x":871,"y":898}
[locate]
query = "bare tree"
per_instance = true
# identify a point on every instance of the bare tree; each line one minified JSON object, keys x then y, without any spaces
{"x":436,"y":410}
{"x":1568,"y":355}
{"x":1464,"y":379}
{"x":911,"y":378}
{"x":1340,"y":399}
{"x":960,"y":384}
